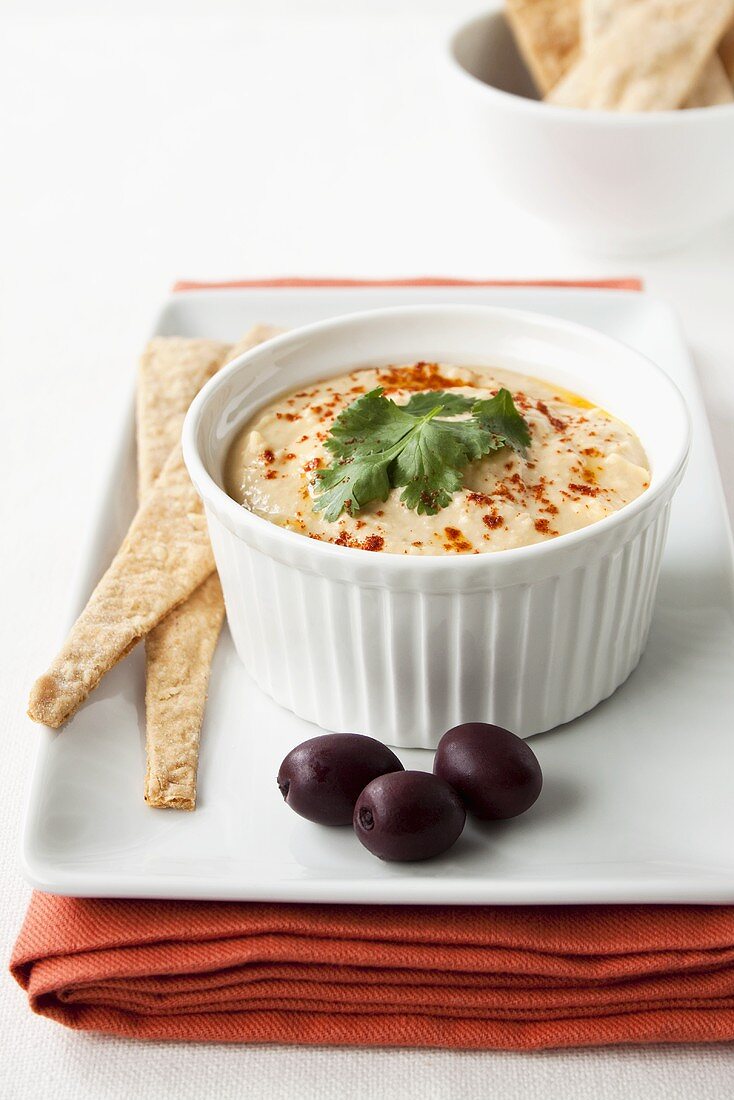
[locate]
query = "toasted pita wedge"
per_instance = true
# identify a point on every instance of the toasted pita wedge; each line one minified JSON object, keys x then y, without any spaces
{"x":596,"y":17}
{"x":165,"y":556}
{"x":172,"y":371}
{"x":179,"y":654}
{"x":726,"y":53}
{"x":713,"y":85}
{"x":180,"y":649}
{"x":547,"y":35}
{"x":649,"y":58}
{"x":258,"y":334}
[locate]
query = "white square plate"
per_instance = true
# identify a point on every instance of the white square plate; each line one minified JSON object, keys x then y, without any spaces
{"x":637,"y":804}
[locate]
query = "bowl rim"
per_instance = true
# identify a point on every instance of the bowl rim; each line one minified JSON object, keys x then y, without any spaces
{"x":569,"y":115}
{"x":239,"y":519}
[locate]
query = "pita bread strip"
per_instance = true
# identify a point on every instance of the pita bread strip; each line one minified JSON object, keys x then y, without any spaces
{"x":713,"y":85}
{"x":597,"y":16}
{"x":172,"y":371}
{"x":726,"y":53}
{"x":649,"y":58}
{"x":164,"y":557}
{"x":179,"y":652}
{"x":547,"y":35}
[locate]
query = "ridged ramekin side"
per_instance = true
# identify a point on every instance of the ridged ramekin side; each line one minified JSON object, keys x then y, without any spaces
{"x":404,"y":666}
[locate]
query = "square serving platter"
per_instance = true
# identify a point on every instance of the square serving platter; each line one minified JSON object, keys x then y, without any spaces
{"x":637,"y":804}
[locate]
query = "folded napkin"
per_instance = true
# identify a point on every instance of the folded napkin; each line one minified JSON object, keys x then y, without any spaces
{"x":468,"y":977}
{"x":463,"y":977}
{"x":290,"y":282}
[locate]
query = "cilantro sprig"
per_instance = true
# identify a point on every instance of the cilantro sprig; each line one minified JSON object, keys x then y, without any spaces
{"x":378,"y":445}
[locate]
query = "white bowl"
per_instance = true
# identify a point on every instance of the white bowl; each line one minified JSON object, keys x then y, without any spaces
{"x":618,"y":183}
{"x":404,"y":647}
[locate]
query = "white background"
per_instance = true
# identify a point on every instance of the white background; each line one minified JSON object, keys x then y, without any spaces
{"x":143,"y":142}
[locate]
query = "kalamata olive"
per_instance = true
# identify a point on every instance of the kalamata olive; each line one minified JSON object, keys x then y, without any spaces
{"x":408,"y":815}
{"x":321,"y":778}
{"x":496,"y":773}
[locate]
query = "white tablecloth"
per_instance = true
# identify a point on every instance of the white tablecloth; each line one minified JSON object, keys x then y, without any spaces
{"x":145,"y":141}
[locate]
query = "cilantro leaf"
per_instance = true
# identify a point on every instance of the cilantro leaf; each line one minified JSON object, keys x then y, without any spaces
{"x":452,"y":404}
{"x":500,"y":417}
{"x":365,"y":438}
{"x":370,"y":425}
{"x":350,"y":486}
{"x":378,"y":445}
{"x":431,"y":463}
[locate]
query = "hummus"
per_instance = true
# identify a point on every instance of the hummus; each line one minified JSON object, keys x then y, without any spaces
{"x":582,"y":465}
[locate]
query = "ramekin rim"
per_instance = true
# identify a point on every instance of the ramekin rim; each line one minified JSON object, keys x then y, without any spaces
{"x":236,"y":518}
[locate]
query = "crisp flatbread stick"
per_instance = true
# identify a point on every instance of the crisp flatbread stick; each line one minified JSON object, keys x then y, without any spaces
{"x":649,"y":59}
{"x":165,"y":556}
{"x":596,"y":16}
{"x":179,"y":654}
{"x":180,"y":649}
{"x":726,"y":53}
{"x":547,"y":35}
{"x":258,"y":334}
{"x":172,"y":371}
{"x":713,"y":85}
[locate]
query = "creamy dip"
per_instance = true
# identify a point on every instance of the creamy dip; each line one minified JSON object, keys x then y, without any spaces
{"x":582,"y":465}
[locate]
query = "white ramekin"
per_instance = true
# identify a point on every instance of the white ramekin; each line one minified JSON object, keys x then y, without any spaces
{"x":404,"y":647}
{"x":614,"y":182}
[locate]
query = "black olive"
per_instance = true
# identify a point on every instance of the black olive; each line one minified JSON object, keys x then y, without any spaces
{"x":321,"y":778}
{"x":496,"y":773}
{"x":408,"y":815}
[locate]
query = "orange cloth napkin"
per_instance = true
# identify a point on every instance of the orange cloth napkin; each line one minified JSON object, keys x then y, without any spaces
{"x":463,"y":977}
{"x":438,"y":281}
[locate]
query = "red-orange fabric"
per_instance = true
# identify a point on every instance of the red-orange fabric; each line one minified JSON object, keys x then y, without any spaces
{"x":428,"y":280}
{"x":461,"y":977}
